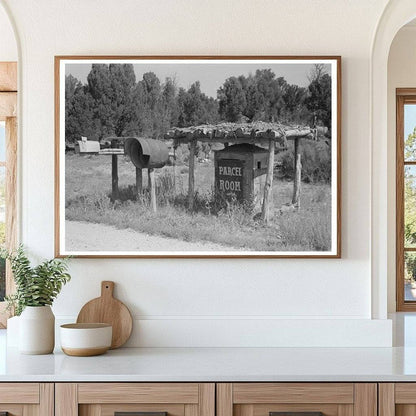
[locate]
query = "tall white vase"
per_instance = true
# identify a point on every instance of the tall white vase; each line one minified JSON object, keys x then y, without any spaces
{"x":37,"y":330}
{"x":13,"y":331}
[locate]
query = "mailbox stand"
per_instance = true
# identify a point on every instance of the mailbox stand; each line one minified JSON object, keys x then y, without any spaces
{"x":144,"y":153}
{"x":115,"y":193}
{"x":114,"y":178}
{"x":273,"y":135}
{"x":139,"y":181}
{"x":114,"y":153}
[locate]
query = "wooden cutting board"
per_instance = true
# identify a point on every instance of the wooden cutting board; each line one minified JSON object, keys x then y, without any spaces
{"x":107,"y":309}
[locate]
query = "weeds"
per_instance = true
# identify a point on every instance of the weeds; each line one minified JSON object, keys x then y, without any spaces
{"x":213,"y":218}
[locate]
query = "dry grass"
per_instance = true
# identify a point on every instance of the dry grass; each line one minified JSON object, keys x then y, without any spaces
{"x":88,"y":184}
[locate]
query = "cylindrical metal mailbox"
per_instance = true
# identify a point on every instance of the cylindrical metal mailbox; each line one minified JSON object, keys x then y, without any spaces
{"x":146,"y":153}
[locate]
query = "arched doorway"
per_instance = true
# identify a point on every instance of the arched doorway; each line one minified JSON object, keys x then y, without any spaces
{"x":8,"y":149}
{"x":396,"y":14}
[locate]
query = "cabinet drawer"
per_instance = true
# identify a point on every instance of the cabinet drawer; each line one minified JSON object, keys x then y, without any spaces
{"x":296,"y":399}
{"x":397,"y":399}
{"x":153,"y":399}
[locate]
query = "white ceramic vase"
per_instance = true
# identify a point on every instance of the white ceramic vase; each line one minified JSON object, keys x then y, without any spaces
{"x":13,"y":331}
{"x":37,"y":330}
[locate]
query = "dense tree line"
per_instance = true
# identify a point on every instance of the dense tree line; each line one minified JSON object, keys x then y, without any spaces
{"x":264,"y":97}
{"x":112,"y":102}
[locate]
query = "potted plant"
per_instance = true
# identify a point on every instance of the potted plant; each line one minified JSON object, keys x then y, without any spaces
{"x":36,"y":289}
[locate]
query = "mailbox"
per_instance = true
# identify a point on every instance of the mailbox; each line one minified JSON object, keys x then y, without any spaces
{"x":240,"y":172}
{"x":87,"y":146}
{"x":146,"y":153}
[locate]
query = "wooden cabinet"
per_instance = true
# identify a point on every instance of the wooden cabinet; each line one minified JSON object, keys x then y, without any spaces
{"x":297,"y":399}
{"x":27,"y":399}
{"x":208,"y":399}
{"x":397,"y":399}
{"x":106,"y":399}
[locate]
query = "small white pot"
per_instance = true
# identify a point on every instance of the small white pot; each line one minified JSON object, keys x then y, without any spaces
{"x":86,"y":339}
{"x":37,"y":330}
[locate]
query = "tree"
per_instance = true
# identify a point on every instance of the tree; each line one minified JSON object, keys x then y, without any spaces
{"x":410,"y":206}
{"x":319,"y":95}
{"x":193,"y":104}
{"x":170,"y":108}
{"x":232,"y":100}
{"x":151,"y":89}
{"x":257,"y":97}
{"x":410,"y":146}
{"x":254,"y":99}
{"x":317,"y":71}
{"x":111,"y":86}
{"x":123,"y":80}
{"x":195,"y":107}
{"x":294,"y":103}
{"x":99,"y":86}
{"x":71,"y":84}
{"x":410,"y":191}
{"x":79,"y":112}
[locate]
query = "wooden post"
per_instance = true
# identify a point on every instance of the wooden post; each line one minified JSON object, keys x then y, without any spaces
{"x":191,"y":178}
{"x":139,"y":181}
{"x":114,"y":178}
{"x":268,"y":187}
{"x":149,"y":185}
{"x":152,"y":189}
{"x":298,"y":174}
{"x":174,"y":168}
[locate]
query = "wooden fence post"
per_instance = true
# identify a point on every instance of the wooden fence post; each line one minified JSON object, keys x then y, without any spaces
{"x":191,"y":177}
{"x":268,"y":187}
{"x":139,"y":181}
{"x":114,"y":178}
{"x":152,"y":185}
{"x":174,"y":168}
{"x":298,"y":174}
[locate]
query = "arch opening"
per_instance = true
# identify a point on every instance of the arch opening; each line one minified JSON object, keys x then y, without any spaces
{"x":396,"y":15}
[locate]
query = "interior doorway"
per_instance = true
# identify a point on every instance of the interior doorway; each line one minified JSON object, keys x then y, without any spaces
{"x":401,"y":167}
{"x":9,"y":57}
{"x":8,"y":174}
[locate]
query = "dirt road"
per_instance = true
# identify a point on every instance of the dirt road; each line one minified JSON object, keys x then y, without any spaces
{"x":84,"y":236}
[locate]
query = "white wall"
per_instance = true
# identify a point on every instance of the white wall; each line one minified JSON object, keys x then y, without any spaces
{"x":179,"y":302}
{"x":8,"y":47}
{"x":401,"y":74}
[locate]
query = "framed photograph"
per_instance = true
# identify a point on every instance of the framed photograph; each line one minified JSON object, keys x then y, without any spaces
{"x":198,"y":156}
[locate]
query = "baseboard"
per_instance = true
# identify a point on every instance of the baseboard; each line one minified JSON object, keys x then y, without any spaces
{"x":166,"y":332}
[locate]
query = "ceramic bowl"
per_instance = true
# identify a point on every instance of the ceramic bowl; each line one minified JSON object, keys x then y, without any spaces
{"x":84,"y":340}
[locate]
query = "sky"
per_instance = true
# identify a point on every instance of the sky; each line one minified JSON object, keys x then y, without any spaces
{"x":210,"y":75}
{"x":409,"y":119}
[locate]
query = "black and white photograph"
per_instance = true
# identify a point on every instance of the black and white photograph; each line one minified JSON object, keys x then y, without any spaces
{"x":198,"y":156}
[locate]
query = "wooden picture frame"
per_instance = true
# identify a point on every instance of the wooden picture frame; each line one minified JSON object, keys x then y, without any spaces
{"x":404,"y":96}
{"x":89,"y":87}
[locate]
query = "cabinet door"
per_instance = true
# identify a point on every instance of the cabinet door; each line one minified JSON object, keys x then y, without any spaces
{"x":26,"y":399}
{"x":297,"y":399}
{"x":397,"y":399}
{"x":144,"y":399}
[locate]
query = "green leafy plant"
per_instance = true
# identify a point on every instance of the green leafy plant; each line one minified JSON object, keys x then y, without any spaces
{"x":35,"y":286}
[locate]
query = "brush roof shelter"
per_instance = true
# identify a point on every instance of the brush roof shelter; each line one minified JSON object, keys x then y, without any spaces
{"x":272,"y":135}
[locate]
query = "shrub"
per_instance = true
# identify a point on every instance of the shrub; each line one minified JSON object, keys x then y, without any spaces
{"x":315,"y":158}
